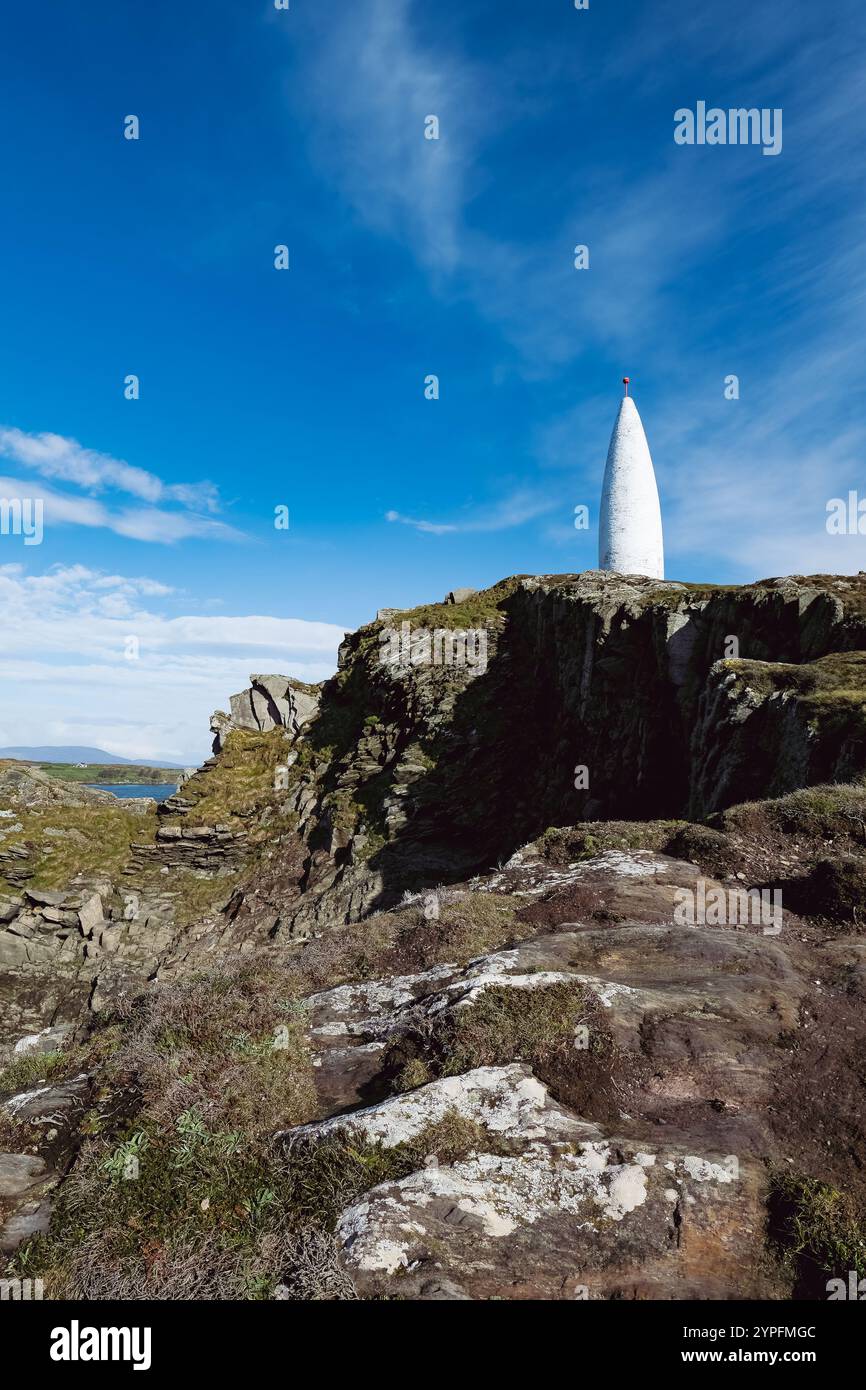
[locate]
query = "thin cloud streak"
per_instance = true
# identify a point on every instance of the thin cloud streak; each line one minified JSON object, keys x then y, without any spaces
{"x":501,"y":515}
{"x":135,"y":523}
{"x":54,"y":456}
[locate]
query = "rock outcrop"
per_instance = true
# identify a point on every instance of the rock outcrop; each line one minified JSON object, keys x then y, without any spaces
{"x":25,"y":786}
{"x":271,"y":702}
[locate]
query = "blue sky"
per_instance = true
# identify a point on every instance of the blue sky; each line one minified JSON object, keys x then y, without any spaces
{"x":305,"y":388}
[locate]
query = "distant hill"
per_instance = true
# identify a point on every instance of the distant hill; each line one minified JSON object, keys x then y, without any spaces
{"x":74,"y":754}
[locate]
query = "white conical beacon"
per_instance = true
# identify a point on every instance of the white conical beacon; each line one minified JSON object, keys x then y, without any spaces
{"x":630,"y":521}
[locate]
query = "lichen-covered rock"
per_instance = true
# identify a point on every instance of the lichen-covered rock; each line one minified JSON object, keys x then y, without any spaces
{"x":507,"y":1101}
{"x":597,"y":1220}
{"x":563,"y":1211}
{"x":463,"y":944}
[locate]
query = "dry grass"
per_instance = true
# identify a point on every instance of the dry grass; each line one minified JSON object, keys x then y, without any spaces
{"x":405,"y":942}
{"x":504,"y":1024}
{"x":241,"y":784}
{"x":819,"y":1230}
{"x":816,"y":813}
{"x":195,"y":895}
{"x":229,"y":1044}
{"x":507,"y":1024}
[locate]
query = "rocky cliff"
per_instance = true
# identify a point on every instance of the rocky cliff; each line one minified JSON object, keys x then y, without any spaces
{"x":599,"y":697}
{"x":396,"y":996}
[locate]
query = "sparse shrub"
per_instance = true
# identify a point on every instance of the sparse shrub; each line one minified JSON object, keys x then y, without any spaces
{"x":406,"y":942}
{"x":710,"y":849}
{"x":820,"y":1231}
{"x":414,"y":1074}
{"x":835,"y":890}
{"x":508,"y":1024}
{"x":565,"y":844}
{"x":29,"y":1069}
{"x":312,"y":1269}
{"x":834,"y":811}
{"x":231,"y":1045}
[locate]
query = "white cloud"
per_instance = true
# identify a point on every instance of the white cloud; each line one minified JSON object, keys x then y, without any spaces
{"x":53,"y":456}
{"x":433,"y":528}
{"x":66,"y":679}
{"x":136,"y":523}
{"x":64,"y":460}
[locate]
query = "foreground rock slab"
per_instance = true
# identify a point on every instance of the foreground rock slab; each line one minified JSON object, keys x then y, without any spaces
{"x":568,"y":1212}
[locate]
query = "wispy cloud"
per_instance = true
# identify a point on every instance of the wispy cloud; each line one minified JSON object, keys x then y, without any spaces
{"x":500,"y":515}
{"x":54,"y":456}
{"x":433,"y":528}
{"x":676,"y":210}
{"x":171,"y":511}
{"x":135,"y":523}
{"x":370,"y":88}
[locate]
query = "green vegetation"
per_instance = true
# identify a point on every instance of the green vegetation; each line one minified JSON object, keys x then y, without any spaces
{"x":242,"y":783}
{"x":216,"y":1064}
{"x":414,"y":1073}
{"x":196,"y":1194}
{"x":29,"y":1070}
{"x":324,"y":1177}
{"x":831,"y":691}
{"x":504,"y":1024}
{"x":818,"y":1227}
{"x":563,"y":845}
{"x":511,"y":1024}
{"x":476,"y":611}
{"x":810,"y":816}
{"x":68,"y":840}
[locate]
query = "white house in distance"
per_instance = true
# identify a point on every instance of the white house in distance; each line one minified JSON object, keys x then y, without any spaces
{"x":630,"y":520}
